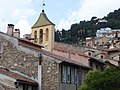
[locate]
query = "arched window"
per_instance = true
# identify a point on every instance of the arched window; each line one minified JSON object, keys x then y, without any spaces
{"x":35,"y":36}
{"x":41,"y":36}
{"x":47,"y":34}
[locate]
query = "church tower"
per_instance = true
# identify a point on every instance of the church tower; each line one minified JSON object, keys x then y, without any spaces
{"x":43,"y":32}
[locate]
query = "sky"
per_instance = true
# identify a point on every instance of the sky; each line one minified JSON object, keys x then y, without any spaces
{"x":24,"y":13}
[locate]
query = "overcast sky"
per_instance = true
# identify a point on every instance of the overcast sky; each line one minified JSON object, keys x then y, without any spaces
{"x":24,"y":13}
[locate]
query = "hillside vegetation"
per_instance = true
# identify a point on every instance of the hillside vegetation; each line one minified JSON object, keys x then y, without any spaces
{"x":79,"y":31}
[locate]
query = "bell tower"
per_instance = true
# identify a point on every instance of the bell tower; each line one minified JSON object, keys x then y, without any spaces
{"x":43,"y":32}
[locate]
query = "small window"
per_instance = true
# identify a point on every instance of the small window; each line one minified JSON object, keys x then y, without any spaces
{"x":72,"y":75}
{"x":68,"y":74}
{"x":89,"y":54}
{"x":91,"y":64}
{"x":63,"y":73}
{"x":85,"y":74}
{"x":97,"y":67}
{"x":1,"y":48}
{"x":101,"y":56}
{"x":75,"y":75}
{"x":25,"y":87}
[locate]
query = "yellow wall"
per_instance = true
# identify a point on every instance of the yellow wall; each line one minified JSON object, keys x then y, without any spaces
{"x":47,"y":44}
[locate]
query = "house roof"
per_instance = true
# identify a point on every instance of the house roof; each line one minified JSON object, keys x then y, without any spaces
{"x":101,"y":52}
{"x":112,"y":49}
{"x":42,"y":20}
{"x":63,"y":59}
{"x":16,"y":75}
{"x":27,"y":42}
{"x":110,"y":64}
{"x":69,"y":49}
{"x":4,"y":87}
{"x":97,"y":60}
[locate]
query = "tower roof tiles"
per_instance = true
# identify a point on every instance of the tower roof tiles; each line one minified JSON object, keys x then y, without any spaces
{"x":42,"y":21}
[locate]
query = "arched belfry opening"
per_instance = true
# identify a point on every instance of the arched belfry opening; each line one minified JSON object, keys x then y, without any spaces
{"x":47,"y":34}
{"x":41,"y":36}
{"x":35,"y":36}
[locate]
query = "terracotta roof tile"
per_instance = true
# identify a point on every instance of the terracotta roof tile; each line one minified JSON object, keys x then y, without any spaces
{"x":63,"y":59}
{"x":15,"y":75}
{"x":4,"y":87}
{"x":112,"y":49}
{"x":68,"y":48}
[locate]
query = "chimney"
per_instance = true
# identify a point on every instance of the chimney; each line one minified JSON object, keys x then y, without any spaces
{"x":27,"y":36}
{"x":10,"y":29}
{"x":16,"y":33}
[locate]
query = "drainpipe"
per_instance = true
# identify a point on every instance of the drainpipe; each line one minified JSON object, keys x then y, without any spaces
{"x":40,"y":72}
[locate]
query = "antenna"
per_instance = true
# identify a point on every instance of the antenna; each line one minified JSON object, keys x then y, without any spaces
{"x":43,"y":4}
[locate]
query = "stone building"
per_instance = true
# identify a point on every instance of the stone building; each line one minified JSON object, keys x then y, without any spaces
{"x":11,"y":80}
{"x":58,"y":72}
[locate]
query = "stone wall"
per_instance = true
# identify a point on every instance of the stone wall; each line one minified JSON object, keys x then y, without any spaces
{"x":50,"y":74}
{"x":18,"y":60}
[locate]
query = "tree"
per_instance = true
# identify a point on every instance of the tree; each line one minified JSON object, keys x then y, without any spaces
{"x":109,"y":79}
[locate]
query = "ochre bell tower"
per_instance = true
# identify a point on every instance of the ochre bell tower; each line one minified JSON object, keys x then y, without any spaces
{"x":43,"y":32}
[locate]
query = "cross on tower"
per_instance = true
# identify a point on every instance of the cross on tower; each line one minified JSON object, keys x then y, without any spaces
{"x":43,"y":4}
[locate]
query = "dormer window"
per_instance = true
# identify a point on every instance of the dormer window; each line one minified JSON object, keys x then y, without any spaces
{"x":101,"y":56}
{"x":89,"y":54}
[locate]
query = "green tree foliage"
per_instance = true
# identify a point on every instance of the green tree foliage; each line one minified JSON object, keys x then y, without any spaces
{"x":109,"y":79}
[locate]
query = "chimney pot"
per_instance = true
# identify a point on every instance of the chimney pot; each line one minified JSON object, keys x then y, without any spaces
{"x":10,"y":29}
{"x":16,"y":33}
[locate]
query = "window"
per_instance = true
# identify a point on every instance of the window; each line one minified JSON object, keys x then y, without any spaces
{"x":79,"y":78}
{"x":91,"y":64}
{"x":68,"y":74}
{"x":75,"y":75}
{"x":89,"y":54}
{"x":41,"y":36}
{"x":25,"y":87}
{"x":47,"y":34}
{"x":35,"y":36}
{"x":72,"y":75}
{"x":1,"y":48}
{"x":101,"y":56}
{"x":63,"y":73}
{"x":85,"y":74}
{"x":97,"y":67}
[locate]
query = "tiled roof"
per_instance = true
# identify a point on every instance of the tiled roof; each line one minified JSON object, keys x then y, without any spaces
{"x":112,"y":49}
{"x":100,"y":52}
{"x":4,"y":87}
{"x":42,"y":21}
{"x":16,"y":75}
{"x":97,"y":60}
{"x":24,"y":40}
{"x":63,"y":59}
{"x":68,"y":48}
{"x":30,"y":43}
